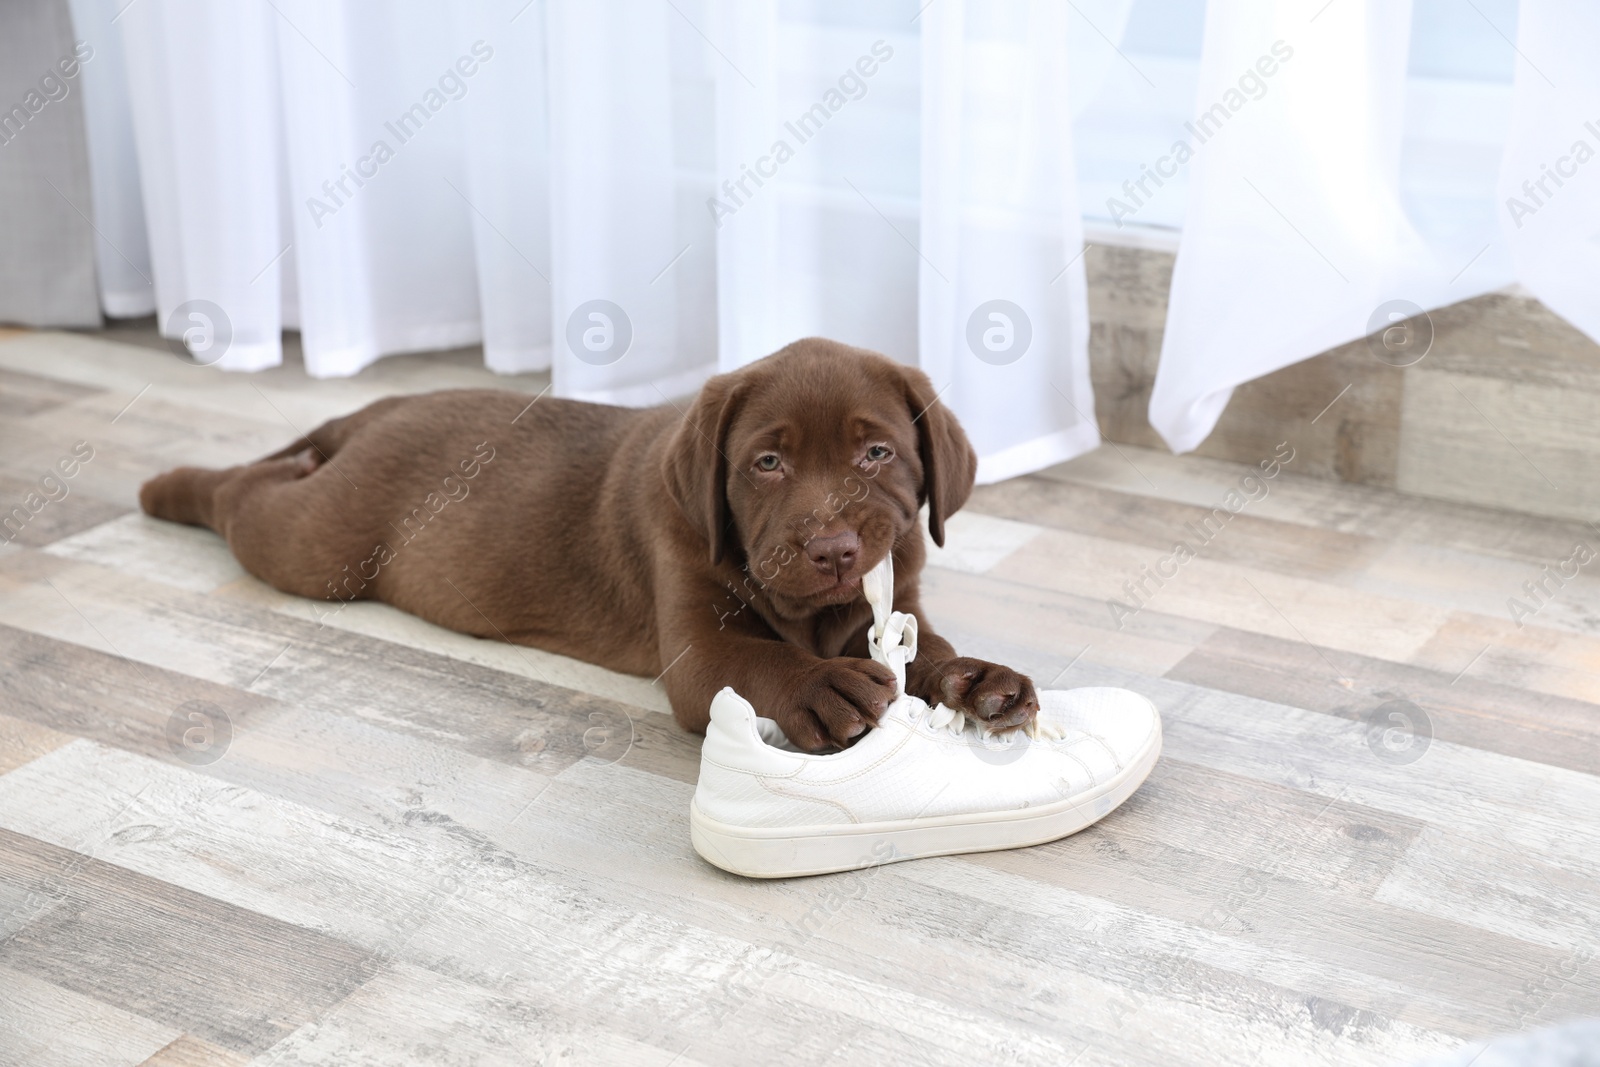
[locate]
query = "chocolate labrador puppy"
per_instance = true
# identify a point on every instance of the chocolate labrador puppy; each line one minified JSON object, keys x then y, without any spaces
{"x":722,"y":546}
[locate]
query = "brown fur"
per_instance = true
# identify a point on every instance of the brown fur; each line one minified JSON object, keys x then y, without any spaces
{"x":647,"y":541}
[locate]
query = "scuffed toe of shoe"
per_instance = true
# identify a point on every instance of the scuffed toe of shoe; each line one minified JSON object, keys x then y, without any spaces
{"x":1126,"y":723}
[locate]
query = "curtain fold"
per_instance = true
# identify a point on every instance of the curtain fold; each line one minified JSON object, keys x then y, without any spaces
{"x":636,"y":195}
{"x":507,"y":135}
{"x":752,"y":147}
{"x":1295,"y":238}
{"x":309,"y":165}
{"x":122,"y":248}
{"x":812,"y":195}
{"x":1550,"y":176}
{"x":201,"y":80}
{"x":957,"y":250}
{"x":1003,"y":299}
{"x":629,"y":248}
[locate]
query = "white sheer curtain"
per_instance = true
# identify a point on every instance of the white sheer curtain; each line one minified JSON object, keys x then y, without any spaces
{"x":1004,"y":310}
{"x":634,"y":193}
{"x":373,"y":175}
{"x":122,"y":249}
{"x":1298,"y":234}
{"x":1295,"y":233}
{"x":637,"y":193}
{"x":202,"y":83}
{"x":631,"y":123}
{"x":909,"y":187}
{"x":1550,"y":178}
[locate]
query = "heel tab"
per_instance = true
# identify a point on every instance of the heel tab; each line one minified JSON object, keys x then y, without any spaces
{"x":733,"y":727}
{"x":734,"y":739}
{"x":732,"y":712}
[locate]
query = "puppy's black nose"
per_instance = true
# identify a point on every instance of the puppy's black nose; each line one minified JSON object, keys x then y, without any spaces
{"x":834,"y":554}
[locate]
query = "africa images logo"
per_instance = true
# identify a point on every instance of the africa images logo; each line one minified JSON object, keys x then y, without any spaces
{"x":599,"y":332}
{"x":999,"y":332}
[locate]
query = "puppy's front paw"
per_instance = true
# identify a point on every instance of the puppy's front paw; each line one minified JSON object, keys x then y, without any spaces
{"x":835,"y":702}
{"x":996,"y":695}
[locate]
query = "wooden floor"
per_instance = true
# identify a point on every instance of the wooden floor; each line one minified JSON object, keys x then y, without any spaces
{"x":233,"y":833}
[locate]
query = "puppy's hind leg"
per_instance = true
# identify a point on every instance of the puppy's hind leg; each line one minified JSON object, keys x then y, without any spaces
{"x":295,"y":526}
{"x":288,"y":522}
{"x":185,"y":494}
{"x":331,"y":436}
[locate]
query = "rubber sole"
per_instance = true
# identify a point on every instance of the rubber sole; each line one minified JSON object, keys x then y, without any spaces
{"x":796,"y":851}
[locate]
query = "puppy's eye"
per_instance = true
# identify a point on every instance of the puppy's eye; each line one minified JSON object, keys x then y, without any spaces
{"x":880,"y":453}
{"x":768,"y":462}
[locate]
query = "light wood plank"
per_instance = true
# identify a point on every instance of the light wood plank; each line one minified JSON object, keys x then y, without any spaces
{"x":1462,"y":709}
{"x":414,"y":899}
{"x":102,"y":696}
{"x":1224,"y":594}
{"x":1484,"y":585}
{"x":44,"y":1025}
{"x":509,"y":940}
{"x":1366,"y":510}
{"x":196,"y":560}
{"x":191,"y":1051}
{"x":1549,"y":812}
{"x":1528,"y":656}
{"x":1155,"y":523}
{"x":493,"y":714}
{"x":647,"y":834}
{"x":645,"y":829}
{"x":191,"y":414}
{"x":409,"y":1015}
{"x":182,"y":959}
{"x":1453,"y":578}
{"x":1464,"y":878}
{"x":1525,"y":446}
{"x":391,"y":625}
{"x":38,"y":512}
{"x":975,"y":541}
{"x":1058,"y":627}
{"x":28,"y":394}
{"x":185,"y":557}
{"x":965,"y":941}
{"x":21,"y":741}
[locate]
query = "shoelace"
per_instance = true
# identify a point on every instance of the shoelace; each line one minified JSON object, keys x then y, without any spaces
{"x":940,"y":717}
{"x":892,"y":641}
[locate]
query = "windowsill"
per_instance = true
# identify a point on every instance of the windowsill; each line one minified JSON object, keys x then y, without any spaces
{"x":1130,"y":235}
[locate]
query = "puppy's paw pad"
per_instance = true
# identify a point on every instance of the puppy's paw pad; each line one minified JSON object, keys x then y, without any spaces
{"x":997,"y":696}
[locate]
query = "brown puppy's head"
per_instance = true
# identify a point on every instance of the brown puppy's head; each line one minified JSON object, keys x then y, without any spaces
{"x":809,"y":464}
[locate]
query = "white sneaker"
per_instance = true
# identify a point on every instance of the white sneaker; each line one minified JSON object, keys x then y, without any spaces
{"x":925,"y":782}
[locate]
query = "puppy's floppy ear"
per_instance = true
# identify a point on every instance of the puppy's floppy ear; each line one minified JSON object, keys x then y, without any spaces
{"x":949,"y":464}
{"x":695,"y":467}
